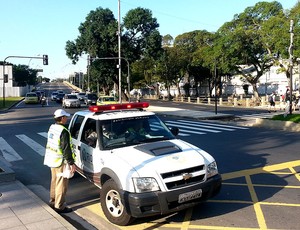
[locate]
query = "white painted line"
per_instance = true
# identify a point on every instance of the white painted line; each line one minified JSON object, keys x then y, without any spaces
{"x":213,"y":124}
{"x":8,"y":152}
{"x":183,"y":134}
{"x":32,"y":144}
{"x":44,"y":134}
{"x":177,"y":124}
{"x":190,"y":131}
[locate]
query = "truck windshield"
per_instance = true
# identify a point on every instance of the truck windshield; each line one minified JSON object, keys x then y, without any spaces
{"x":133,"y":130}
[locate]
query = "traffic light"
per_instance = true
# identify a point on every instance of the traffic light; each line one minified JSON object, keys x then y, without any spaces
{"x":45,"y":59}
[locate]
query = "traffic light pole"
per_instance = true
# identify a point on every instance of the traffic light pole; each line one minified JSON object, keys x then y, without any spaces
{"x":45,"y":62}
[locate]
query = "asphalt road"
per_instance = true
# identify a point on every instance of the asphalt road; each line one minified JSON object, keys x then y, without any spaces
{"x":260,"y":170}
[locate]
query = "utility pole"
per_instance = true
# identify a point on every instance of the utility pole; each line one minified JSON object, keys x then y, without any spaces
{"x":291,"y":62}
{"x":119,"y":45}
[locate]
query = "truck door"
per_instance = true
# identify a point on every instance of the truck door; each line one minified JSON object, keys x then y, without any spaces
{"x":89,"y":143}
{"x":75,"y":128}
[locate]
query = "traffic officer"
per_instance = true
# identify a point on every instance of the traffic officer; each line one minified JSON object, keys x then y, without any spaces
{"x":59,"y":154}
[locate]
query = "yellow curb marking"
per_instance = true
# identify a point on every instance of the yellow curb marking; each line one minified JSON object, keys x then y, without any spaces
{"x":264,"y":185}
{"x":295,"y":173}
{"x":187,"y":218}
{"x":259,"y":213}
{"x":270,"y":168}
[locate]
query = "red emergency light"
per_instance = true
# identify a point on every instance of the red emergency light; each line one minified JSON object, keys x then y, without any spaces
{"x":133,"y":105}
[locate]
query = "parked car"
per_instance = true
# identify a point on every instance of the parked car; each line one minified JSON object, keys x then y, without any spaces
{"x":70,"y":100}
{"x":90,"y":99}
{"x":53,"y":96}
{"x":106,"y":100}
{"x":31,"y":98}
{"x":81,"y":96}
{"x":59,"y":97}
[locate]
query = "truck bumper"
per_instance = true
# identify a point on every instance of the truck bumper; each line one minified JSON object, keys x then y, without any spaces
{"x":155,"y":203}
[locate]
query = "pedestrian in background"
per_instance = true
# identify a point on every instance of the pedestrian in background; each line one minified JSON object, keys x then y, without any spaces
{"x":59,"y":154}
{"x":271,"y":100}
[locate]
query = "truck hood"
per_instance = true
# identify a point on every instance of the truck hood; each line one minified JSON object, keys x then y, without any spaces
{"x":163,"y":156}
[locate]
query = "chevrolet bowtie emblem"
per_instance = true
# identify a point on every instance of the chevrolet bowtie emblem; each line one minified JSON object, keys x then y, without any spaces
{"x":186,"y":176}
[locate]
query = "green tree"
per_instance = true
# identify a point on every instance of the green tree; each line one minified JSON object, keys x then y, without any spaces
{"x":249,"y":42}
{"x":167,"y":40}
{"x":139,"y":37}
{"x":168,"y":67}
{"x":23,"y":75}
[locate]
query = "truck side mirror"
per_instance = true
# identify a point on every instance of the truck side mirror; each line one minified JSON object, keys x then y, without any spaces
{"x":174,"y":131}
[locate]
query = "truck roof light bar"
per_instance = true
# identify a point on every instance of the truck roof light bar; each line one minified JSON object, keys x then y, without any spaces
{"x":134,"y":105}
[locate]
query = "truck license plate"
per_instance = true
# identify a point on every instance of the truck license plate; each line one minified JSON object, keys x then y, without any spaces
{"x":189,"y":196}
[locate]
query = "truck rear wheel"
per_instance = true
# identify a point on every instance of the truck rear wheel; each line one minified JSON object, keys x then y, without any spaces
{"x":112,"y":205}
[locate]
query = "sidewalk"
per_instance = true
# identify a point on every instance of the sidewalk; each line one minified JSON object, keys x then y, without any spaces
{"x":22,"y":209}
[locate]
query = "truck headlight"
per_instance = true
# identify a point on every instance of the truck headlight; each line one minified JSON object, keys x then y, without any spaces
{"x":212,"y":169}
{"x":145,"y":184}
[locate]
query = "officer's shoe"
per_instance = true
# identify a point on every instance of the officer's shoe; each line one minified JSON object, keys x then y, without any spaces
{"x":65,"y":210}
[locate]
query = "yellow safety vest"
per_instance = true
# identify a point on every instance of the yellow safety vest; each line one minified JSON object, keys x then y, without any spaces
{"x":54,"y":154}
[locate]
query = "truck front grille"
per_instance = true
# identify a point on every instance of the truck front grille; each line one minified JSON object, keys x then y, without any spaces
{"x":178,"y":179}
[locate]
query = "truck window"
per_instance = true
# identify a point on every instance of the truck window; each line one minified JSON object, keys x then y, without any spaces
{"x":89,"y":133}
{"x":75,"y":126}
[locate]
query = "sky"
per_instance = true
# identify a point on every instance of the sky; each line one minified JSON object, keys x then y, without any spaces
{"x":32,"y":28}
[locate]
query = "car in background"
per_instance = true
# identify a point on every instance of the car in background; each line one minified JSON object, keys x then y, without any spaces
{"x":106,"y":100}
{"x":53,"y":96}
{"x":39,"y":95}
{"x":70,"y":100}
{"x":90,"y":99}
{"x":31,"y":98}
{"x":59,"y":97}
{"x":81,"y":96}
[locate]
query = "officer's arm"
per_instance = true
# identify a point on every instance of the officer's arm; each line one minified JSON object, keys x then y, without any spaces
{"x":65,"y":145}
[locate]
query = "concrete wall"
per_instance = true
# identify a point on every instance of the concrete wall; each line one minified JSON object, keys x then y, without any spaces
{"x":15,"y":91}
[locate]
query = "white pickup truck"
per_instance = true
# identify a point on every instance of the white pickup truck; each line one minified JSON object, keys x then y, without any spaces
{"x":141,"y":168}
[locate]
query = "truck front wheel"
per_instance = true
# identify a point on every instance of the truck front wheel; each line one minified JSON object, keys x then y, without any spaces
{"x":112,"y":205}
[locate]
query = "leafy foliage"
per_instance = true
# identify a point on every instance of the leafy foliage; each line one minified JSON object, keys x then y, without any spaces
{"x":24,"y":75}
{"x":98,"y":39}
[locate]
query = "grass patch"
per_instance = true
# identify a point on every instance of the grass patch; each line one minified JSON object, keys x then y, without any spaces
{"x":290,"y":117}
{"x":9,"y":101}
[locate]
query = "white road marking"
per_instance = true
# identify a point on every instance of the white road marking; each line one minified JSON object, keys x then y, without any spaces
{"x":44,"y":134}
{"x":32,"y":144}
{"x":177,"y":124}
{"x":8,"y":152}
{"x":214,"y":124}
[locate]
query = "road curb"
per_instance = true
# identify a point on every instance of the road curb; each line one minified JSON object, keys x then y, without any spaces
{"x":278,"y":125}
{"x":6,"y":173}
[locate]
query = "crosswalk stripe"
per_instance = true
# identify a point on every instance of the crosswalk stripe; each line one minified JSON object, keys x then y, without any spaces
{"x":43,"y":134}
{"x":213,"y":124}
{"x":190,"y":131}
{"x":183,"y":134}
{"x":32,"y":144}
{"x":173,"y":123}
{"x":208,"y":126}
{"x":8,"y":152}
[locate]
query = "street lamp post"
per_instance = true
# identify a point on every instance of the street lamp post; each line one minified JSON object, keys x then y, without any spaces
{"x":128,"y":72}
{"x":291,"y":63}
{"x":119,"y":45}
